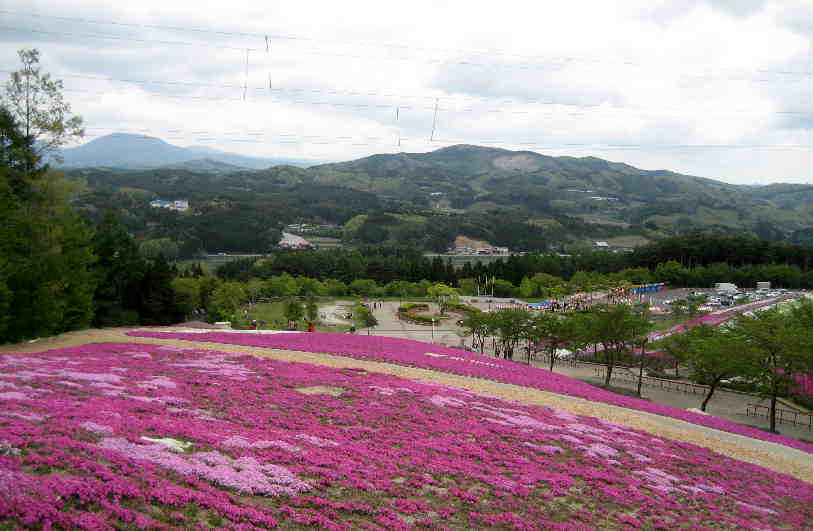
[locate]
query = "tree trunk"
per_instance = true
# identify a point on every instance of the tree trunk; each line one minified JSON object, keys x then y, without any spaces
{"x":552,"y":359}
{"x":773,"y":410}
{"x":641,"y":372}
{"x":610,"y":360}
{"x":712,"y":388}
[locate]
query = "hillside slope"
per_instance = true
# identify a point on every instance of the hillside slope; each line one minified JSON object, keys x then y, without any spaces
{"x":472,"y":178}
{"x":125,"y":434}
{"x":517,"y":199}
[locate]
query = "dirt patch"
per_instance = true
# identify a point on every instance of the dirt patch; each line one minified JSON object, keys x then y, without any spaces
{"x":321,"y":390}
{"x":516,"y":162}
{"x":465,"y":241}
{"x":628,"y":241}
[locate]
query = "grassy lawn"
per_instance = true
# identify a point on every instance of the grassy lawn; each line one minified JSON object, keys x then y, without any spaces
{"x":273,"y":313}
{"x":665,"y":323}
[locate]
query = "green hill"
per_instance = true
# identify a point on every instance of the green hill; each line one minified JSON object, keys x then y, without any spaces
{"x":519,"y":199}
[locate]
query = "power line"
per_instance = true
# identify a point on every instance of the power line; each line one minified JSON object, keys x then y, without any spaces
{"x":561,"y":63}
{"x":585,"y":109}
{"x":382,"y":140}
{"x":381,"y":94}
{"x":120,"y":38}
{"x":267,"y":36}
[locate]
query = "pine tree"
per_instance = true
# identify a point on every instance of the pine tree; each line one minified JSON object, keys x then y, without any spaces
{"x":46,"y":284}
{"x":120,"y":270}
{"x":157,"y":305}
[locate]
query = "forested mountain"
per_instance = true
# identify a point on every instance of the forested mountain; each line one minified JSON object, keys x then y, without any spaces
{"x":598,"y":191}
{"x":121,"y":150}
{"x":519,"y":199}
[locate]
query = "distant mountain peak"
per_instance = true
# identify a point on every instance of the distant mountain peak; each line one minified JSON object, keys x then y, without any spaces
{"x":463,"y":148}
{"x":136,"y":151}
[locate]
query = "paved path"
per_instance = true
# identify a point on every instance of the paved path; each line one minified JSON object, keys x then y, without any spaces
{"x":445,"y":332}
{"x":724,"y":404}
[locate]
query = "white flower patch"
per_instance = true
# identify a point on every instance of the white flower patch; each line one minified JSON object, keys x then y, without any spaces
{"x":316,"y":441}
{"x":442,"y":401}
{"x":173,"y":444}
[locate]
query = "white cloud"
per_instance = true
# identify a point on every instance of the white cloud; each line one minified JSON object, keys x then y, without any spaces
{"x":718,"y":88}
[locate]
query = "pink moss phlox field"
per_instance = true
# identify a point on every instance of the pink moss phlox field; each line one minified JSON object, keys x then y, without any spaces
{"x":201,"y":439}
{"x":462,"y":362}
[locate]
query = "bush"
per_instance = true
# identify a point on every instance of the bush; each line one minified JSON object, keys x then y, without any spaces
{"x":411,"y":306}
{"x":421,"y":319}
{"x":464,"y":308}
{"x":363,"y":316}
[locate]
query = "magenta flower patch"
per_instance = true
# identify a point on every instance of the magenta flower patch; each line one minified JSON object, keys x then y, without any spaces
{"x":438,"y":358}
{"x":202,"y":439}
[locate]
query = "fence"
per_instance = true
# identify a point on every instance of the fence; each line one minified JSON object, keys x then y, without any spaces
{"x":788,"y":416}
{"x":651,"y":381}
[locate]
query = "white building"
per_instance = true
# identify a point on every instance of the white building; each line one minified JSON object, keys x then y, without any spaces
{"x":181,"y":205}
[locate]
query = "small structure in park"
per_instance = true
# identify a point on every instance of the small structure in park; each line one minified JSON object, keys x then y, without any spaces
{"x":725,"y":287}
{"x":181,"y":205}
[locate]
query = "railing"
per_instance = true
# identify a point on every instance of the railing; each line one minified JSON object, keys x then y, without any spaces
{"x":797,"y":418}
{"x":651,"y":381}
{"x":574,"y":361}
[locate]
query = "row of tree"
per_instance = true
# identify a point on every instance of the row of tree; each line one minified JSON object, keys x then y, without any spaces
{"x":385,"y":265}
{"x":768,"y":349}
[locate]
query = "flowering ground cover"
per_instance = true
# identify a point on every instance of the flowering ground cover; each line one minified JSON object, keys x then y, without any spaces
{"x":439,"y":358}
{"x":137,"y":436}
{"x":720,"y":317}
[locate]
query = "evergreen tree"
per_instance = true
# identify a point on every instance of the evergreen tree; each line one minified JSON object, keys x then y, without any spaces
{"x":120,"y":270}
{"x":157,"y":305}
{"x":46,"y":281}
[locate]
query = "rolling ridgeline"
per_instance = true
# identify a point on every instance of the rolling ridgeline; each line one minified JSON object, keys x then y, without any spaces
{"x":519,"y":199}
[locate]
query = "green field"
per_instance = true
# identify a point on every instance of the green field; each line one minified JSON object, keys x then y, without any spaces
{"x":272,"y":314}
{"x":210,"y":263}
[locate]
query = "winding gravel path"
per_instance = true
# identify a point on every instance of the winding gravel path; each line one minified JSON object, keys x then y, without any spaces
{"x":770,"y":455}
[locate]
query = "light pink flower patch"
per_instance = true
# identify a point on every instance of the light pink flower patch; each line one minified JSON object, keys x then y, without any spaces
{"x":545,"y":449}
{"x":755,"y":508}
{"x":316,"y":441}
{"x":245,"y":474}
{"x":91,"y":377}
{"x":99,"y":429}
{"x":13,"y":395}
{"x":600,"y":450}
{"x":446,"y":401}
{"x":157,"y":382}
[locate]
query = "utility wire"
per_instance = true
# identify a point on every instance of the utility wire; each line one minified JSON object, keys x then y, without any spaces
{"x":266,"y":36}
{"x":382,"y":140}
{"x":449,"y":100}
{"x":121,"y":38}
{"x":555,"y":65}
{"x":584,"y":109}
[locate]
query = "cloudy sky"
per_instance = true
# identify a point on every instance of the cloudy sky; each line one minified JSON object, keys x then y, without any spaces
{"x":715,"y":88}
